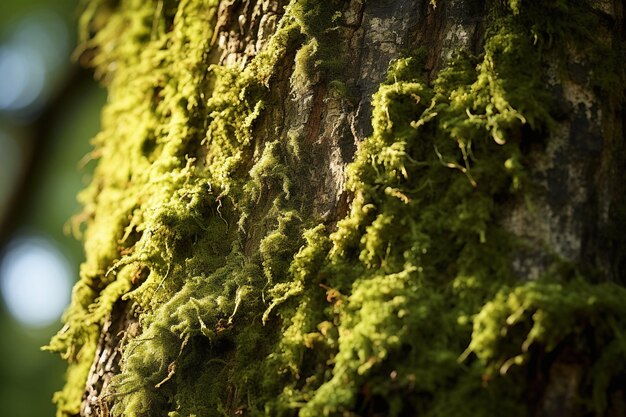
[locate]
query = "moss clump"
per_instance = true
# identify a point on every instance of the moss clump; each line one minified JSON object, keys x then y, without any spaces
{"x":543,"y":317}
{"x":317,"y":59}
{"x":420,"y":258}
{"x":246,"y":303}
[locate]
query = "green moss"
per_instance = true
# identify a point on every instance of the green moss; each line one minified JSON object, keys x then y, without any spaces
{"x":543,"y":317}
{"x":410,"y":268}
{"x":317,"y":59}
{"x":246,"y":303}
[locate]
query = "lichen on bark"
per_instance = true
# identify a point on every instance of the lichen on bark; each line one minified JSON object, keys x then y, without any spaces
{"x":404,"y":299}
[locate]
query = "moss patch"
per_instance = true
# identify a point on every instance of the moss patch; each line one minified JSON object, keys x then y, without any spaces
{"x":247,"y":304}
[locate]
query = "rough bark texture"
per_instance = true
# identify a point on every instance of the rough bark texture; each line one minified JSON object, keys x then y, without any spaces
{"x":264,"y":237}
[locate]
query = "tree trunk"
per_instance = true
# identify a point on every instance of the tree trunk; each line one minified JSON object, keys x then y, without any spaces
{"x":352,"y":207}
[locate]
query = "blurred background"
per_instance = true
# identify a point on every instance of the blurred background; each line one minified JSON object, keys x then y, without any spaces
{"x":49,"y":110}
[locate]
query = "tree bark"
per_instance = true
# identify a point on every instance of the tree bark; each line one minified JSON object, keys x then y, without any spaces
{"x":353,"y":208}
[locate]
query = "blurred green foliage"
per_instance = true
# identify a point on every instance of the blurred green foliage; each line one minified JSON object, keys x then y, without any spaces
{"x":28,"y":377}
{"x":12,"y":10}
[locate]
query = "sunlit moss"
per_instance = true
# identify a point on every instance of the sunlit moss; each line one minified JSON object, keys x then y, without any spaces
{"x":247,"y":304}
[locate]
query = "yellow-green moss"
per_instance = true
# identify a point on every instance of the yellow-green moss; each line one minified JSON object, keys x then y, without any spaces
{"x":246,"y":303}
{"x":420,"y":259}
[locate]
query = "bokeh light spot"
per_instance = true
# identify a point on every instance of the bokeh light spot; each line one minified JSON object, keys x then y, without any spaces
{"x":22,"y":77}
{"x":35,"y":281}
{"x":47,"y":34}
{"x":32,"y":60}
